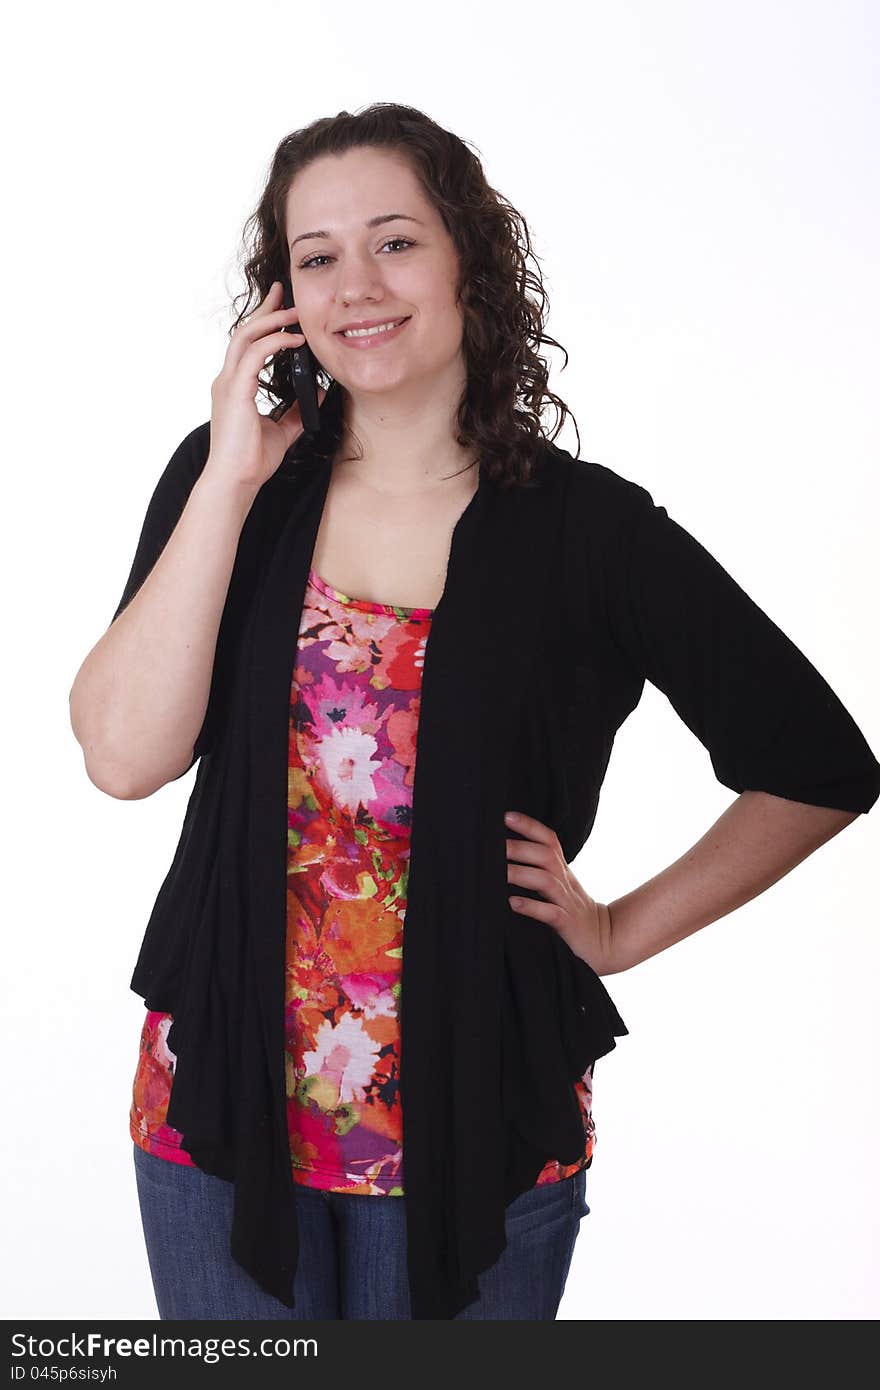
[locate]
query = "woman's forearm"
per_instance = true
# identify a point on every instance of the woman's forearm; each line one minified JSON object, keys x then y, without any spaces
{"x":754,"y":843}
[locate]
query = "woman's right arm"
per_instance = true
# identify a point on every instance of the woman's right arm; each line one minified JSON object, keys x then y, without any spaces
{"x":140,"y":697}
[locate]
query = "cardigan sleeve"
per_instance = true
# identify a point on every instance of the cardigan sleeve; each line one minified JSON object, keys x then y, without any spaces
{"x":768,"y":719}
{"x":165,"y":508}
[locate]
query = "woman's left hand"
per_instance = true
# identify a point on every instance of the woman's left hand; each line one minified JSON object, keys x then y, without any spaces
{"x":583,"y":923}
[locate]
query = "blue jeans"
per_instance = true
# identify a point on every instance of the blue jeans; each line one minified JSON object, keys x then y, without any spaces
{"x":352,"y":1261}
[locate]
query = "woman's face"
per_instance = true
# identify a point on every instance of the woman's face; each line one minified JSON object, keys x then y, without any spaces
{"x":353,"y":272}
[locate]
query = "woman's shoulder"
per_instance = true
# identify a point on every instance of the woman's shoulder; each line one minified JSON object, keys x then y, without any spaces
{"x":596,"y":490}
{"x":191,"y":454}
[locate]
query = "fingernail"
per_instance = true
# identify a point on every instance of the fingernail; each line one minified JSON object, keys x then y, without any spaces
{"x":510,"y":815}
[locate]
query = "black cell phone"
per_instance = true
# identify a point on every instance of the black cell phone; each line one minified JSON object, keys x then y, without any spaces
{"x":296,"y":368}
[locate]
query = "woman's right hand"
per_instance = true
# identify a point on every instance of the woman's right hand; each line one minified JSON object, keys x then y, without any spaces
{"x":247,"y":447}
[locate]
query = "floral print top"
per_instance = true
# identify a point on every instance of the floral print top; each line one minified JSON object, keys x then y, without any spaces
{"x":354,"y":710}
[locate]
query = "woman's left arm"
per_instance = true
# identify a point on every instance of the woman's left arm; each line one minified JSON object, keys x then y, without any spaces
{"x":776,"y":732}
{"x":754,"y":843}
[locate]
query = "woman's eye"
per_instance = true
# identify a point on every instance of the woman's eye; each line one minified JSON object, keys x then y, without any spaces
{"x":392,"y":241}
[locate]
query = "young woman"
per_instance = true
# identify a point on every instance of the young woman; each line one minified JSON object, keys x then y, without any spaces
{"x":373,"y":995}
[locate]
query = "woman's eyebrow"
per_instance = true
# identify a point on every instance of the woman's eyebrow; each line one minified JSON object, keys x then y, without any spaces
{"x":371,"y":222}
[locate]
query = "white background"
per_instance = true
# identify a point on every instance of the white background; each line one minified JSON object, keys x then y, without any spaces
{"x":700,"y":183}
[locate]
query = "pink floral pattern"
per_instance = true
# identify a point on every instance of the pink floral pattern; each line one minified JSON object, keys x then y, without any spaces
{"x":354,"y":713}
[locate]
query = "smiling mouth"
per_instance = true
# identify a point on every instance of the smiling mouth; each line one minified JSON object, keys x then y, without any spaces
{"x":376,"y":332}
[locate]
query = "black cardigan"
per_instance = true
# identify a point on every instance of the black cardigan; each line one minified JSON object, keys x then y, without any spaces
{"x":561,"y":599}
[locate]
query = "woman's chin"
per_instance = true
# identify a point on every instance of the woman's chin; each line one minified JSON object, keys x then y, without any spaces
{"x":376,"y":383}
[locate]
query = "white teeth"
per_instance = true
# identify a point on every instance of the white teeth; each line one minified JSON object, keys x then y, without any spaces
{"x":364,"y":332}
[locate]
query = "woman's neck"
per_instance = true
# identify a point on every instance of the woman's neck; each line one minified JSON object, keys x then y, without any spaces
{"x":408,"y":446}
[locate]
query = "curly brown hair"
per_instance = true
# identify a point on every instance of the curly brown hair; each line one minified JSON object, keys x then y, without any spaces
{"x":503,"y":301}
